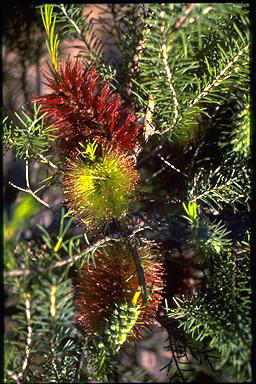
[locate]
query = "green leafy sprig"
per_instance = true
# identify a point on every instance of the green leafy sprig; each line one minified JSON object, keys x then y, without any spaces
{"x":53,"y":41}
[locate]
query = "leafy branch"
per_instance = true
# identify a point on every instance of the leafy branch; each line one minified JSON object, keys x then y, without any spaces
{"x":53,"y":41}
{"x":217,"y":189}
{"x":204,"y":318}
{"x":29,"y":136}
{"x":75,"y":23}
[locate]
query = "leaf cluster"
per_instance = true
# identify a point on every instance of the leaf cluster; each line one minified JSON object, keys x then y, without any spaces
{"x":76,"y":22}
{"x":184,"y":84}
{"x":186,"y":61}
{"x":223,"y":324}
{"x":53,"y":41}
{"x":226,"y":185}
{"x":44,"y":321}
{"x":28,"y":136}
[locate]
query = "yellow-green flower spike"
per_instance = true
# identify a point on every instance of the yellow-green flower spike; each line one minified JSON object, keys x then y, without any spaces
{"x":122,"y":321}
{"x":100,"y":191}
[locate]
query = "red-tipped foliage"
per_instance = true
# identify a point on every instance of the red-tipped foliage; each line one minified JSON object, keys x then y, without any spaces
{"x":83,"y":107}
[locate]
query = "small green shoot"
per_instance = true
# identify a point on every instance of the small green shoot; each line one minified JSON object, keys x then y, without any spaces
{"x":90,"y":150}
{"x":53,"y":41}
{"x":191,"y":211}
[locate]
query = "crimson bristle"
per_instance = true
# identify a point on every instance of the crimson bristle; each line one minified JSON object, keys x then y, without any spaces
{"x":83,"y":106}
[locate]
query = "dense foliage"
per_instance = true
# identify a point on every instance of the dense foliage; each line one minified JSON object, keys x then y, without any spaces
{"x":140,"y":156}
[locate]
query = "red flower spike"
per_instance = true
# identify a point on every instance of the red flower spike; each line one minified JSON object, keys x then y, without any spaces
{"x":83,"y":107}
{"x":115,"y":280}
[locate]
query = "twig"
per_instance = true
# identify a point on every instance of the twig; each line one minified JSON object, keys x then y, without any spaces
{"x":47,"y":161}
{"x":53,"y":314}
{"x":53,"y":301}
{"x":27,"y":171}
{"x":13,"y":375}
{"x":218,"y":78}
{"x":87,"y":250}
{"x":184,"y":17}
{"x":149,"y":128}
{"x":40,"y":188}
{"x":70,"y":260}
{"x":233,"y":294}
{"x":163,"y":167}
{"x":168,"y":72}
{"x":175,"y":358}
{"x":126,"y":235}
{"x":136,"y":58}
{"x":140,"y":230}
{"x":53,"y":360}
{"x":29,"y":190}
{"x":62,"y":7}
{"x":33,"y":194}
{"x":151,"y":153}
{"x":172,"y":166}
{"x":70,"y":20}
{"x":27,"y":298}
{"x":29,"y":336}
{"x":219,"y":187}
{"x":61,"y":263}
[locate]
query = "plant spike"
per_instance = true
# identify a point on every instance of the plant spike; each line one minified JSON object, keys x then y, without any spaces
{"x":53,"y":41}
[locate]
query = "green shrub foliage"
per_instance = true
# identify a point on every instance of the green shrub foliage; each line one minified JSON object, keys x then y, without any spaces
{"x":139,"y":157}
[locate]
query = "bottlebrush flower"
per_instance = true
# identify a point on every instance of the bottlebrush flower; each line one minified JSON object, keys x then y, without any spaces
{"x":84,"y":107}
{"x":99,"y":191}
{"x":107,"y":300}
{"x":103,"y":347}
